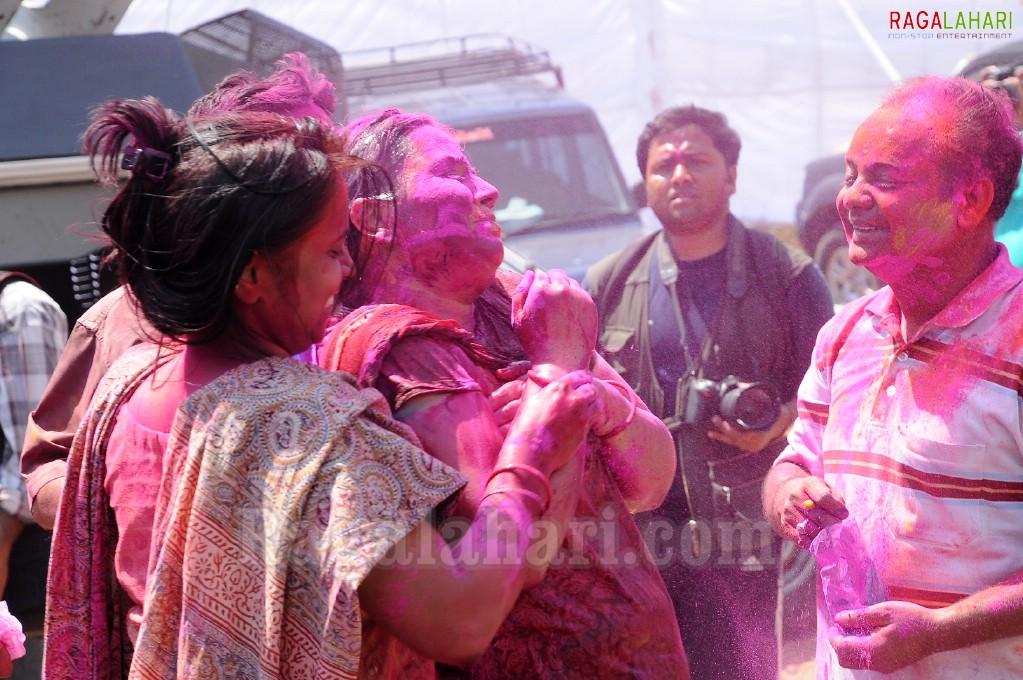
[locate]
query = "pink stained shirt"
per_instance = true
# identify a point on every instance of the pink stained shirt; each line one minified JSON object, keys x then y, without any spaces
{"x":924,"y":440}
{"x":99,"y":337}
{"x":134,"y":465}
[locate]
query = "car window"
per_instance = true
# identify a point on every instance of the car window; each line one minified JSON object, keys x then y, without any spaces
{"x":548,"y":171}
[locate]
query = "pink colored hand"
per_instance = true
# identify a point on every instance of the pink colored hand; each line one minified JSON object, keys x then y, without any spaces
{"x":556,"y":420}
{"x":900,"y":634}
{"x":504,"y":402}
{"x":555,"y":319}
{"x":800,"y":523}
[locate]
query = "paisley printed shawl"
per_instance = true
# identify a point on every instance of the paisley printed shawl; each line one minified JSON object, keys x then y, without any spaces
{"x":85,"y":605}
{"x":283,"y":486}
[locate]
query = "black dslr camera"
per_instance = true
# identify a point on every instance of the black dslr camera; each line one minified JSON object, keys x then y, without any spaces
{"x":747,"y":406}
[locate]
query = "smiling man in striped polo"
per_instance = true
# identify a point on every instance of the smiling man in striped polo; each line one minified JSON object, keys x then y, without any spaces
{"x":910,"y":415}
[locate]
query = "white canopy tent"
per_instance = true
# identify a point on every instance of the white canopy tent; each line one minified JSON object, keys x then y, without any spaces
{"x":794,"y":77}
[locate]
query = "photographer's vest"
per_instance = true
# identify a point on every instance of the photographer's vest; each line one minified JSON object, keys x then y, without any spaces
{"x":716,"y":485}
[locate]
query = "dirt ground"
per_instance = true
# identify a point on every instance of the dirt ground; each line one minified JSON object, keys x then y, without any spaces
{"x":798,"y":626}
{"x":799,"y":633}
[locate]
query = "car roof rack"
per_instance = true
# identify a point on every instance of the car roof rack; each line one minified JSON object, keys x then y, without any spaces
{"x":446,"y":62}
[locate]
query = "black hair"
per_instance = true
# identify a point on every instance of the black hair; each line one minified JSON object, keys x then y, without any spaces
{"x":714,"y":124}
{"x":203,"y":196}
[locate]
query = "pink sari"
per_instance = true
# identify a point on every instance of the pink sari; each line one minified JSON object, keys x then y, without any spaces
{"x":86,"y":607}
{"x":602,"y":610}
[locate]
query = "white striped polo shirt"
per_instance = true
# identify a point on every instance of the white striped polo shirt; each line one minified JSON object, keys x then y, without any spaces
{"x":924,"y":440}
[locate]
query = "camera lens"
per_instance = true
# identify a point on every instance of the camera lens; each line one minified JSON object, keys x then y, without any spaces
{"x":752,"y":407}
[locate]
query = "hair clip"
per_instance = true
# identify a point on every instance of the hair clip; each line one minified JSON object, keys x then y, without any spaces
{"x":154,"y":164}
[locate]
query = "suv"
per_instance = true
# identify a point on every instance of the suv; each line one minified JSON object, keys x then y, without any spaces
{"x":50,"y":199}
{"x":817,"y":222}
{"x":563,"y":201}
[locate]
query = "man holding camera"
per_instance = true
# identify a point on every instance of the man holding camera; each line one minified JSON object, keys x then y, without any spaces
{"x":713,"y":325}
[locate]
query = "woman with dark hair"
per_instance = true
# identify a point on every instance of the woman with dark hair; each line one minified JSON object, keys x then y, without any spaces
{"x":255,"y":504}
{"x":110,"y":326}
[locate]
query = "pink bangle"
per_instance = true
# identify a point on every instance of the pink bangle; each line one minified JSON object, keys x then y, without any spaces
{"x":518,"y":489}
{"x":634,"y":403}
{"x":514,"y":468}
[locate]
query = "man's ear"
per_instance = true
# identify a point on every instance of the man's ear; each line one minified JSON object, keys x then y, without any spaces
{"x":973,"y":202}
{"x":733,"y":173}
{"x":249,"y":289}
{"x":372,"y":217}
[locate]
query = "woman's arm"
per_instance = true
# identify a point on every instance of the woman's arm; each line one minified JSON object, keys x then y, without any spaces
{"x":556,"y":321}
{"x":639,"y":450}
{"x":457,"y":429}
{"x":447,"y":601}
{"x":460,"y":430}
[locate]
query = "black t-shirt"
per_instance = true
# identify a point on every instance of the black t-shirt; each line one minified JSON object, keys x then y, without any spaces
{"x":703,"y":281}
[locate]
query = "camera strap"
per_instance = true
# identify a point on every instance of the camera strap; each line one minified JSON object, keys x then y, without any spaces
{"x":691,"y":325}
{"x":693,"y":330}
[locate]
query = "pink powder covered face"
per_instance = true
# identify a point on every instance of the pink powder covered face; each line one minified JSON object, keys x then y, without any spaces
{"x":297,"y":316}
{"x":446,"y":229}
{"x":896,"y":226}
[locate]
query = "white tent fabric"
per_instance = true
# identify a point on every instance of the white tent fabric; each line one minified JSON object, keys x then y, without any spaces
{"x":794,"y":77}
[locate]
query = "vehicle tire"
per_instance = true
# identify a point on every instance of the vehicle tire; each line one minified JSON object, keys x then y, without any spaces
{"x":846,"y":280}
